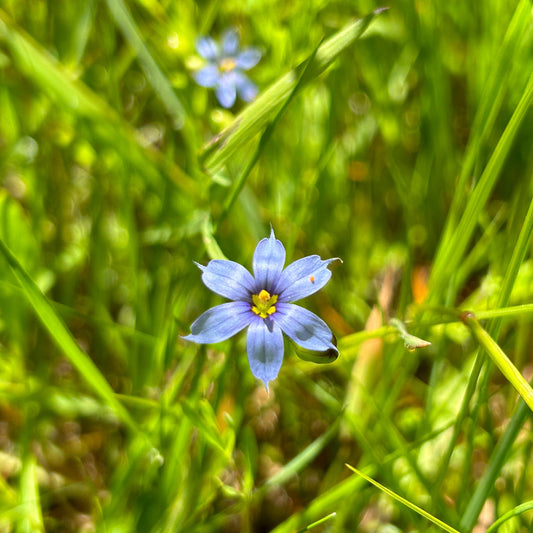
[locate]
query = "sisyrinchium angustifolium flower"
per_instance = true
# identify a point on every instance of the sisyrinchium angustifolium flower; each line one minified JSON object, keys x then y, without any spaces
{"x":225,"y":68}
{"x":263,"y":304}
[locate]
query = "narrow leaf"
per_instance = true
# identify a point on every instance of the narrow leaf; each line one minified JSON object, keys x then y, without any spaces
{"x":63,"y":338}
{"x":252,"y":119}
{"x":405,"y":502}
{"x":500,"y":359}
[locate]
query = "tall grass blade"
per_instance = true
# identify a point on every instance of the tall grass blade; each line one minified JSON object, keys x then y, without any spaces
{"x":250,"y":121}
{"x":64,"y":340}
{"x":448,"y":260}
{"x":405,"y":502}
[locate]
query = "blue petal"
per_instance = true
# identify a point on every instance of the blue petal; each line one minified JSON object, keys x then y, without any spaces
{"x":248,"y":58}
{"x":268,"y":261}
{"x":302,"y":278}
{"x":229,"y":279}
{"x":220,"y":323}
{"x":207,"y":48}
{"x":303,"y":327}
{"x":207,"y":76}
{"x":230,"y":42}
{"x":226,"y":91}
{"x":247,"y":90}
{"x":264,"y":345}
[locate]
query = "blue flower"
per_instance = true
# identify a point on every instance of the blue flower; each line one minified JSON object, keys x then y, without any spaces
{"x":225,"y":66}
{"x":262,"y":303}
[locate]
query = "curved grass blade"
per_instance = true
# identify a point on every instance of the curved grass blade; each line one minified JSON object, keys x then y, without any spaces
{"x":64,"y":340}
{"x":518,"y":510}
{"x":252,"y":119}
{"x":405,"y":502}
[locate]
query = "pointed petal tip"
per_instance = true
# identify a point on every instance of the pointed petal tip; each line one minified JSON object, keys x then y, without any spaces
{"x":201,"y":267}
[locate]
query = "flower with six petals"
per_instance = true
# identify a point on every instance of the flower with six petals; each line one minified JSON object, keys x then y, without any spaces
{"x":263,"y":304}
{"x":225,"y":68}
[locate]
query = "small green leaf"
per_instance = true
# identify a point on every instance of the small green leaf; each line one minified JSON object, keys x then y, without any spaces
{"x":410,"y":341}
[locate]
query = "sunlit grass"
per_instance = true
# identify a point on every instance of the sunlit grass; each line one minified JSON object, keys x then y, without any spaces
{"x":397,"y":140}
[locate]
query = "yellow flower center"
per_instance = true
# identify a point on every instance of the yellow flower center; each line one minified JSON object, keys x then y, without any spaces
{"x":264,"y":304}
{"x":227,"y":64}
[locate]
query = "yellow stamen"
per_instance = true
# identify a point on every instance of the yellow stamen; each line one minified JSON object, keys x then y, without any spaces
{"x":227,"y":64}
{"x":264,"y":304}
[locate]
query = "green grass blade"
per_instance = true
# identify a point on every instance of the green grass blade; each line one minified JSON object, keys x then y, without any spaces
{"x":64,"y":340}
{"x":211,"y":245}
{"x":518,"y":510}
{"x":447,"y":260}
{"x":241,"y":180}
{"x":303,"y":458}
{"x":32,"y":520}
{"x":488,"y":108}
{"x":497,"y":460}
{"x":155,"y":77}
{"x":405,"y":502}
{"x":60,"y":84}
{"x":500,"y":359}
{"x":318,"y":523}
{"x":250,"y":121}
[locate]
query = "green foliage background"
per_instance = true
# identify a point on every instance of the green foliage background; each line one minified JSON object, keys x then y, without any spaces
{"x":399,"y":141}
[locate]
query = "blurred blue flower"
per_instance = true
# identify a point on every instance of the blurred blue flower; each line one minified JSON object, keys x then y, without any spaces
{"x":225,"y":66}
{"x":262,"y":303}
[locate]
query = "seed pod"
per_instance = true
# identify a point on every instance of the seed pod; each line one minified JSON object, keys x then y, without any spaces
{"x":320,"y":357}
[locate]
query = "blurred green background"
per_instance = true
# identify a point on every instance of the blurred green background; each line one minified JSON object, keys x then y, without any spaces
{"x":405,"y":149}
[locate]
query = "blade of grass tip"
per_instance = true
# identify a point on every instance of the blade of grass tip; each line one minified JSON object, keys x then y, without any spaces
{"x":252,"y":119}
{"x":518,"y":510}
{"x":64,"y":340}
{"x":496,"y":462}
{"x":318,"y":523}
{"x":241,"y":180}
{"x":405,"y":502}
{"x":448,"y":260}
{"x":500,"y":359}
